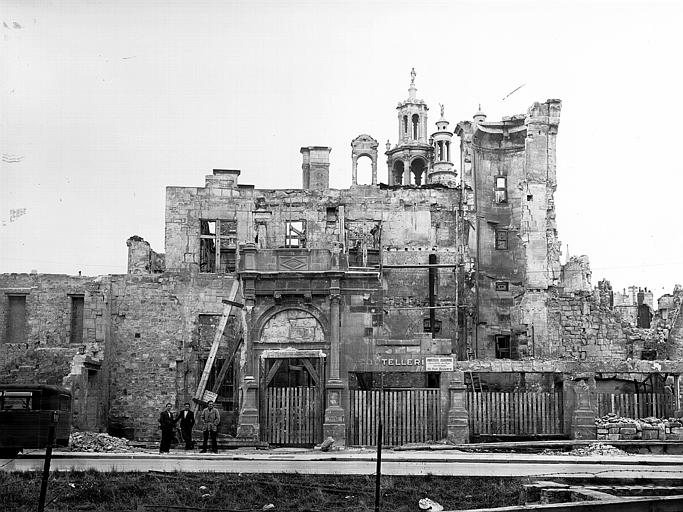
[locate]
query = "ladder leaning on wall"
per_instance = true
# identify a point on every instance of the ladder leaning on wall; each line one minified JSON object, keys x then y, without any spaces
{"x":200,"y":396}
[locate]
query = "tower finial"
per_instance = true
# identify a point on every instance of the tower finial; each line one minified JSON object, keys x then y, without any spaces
{"x":412,"y":76}
{"x":441,"y":105}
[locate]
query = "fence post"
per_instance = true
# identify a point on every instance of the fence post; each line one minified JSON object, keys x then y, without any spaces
{"x":458,"y":417}
{"x":583,"y":417}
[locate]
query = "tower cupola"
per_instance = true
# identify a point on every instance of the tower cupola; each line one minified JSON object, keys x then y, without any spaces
{"x":479,"y":117}
{"x":410,"y":160}
{"x":442,"y":170}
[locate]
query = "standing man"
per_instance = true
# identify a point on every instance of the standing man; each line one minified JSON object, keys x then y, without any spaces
{"x":210,"y":420}
{"x":186,"y":418}
{"x":166,"y":424}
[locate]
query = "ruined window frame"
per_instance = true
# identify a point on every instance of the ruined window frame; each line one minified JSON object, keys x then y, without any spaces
{"x":16,"y":333}
{"x":500,"y":192}
{"x":503,"y":346}
{"x":502,"y":239}
{"x":295,"y":234}
{"x":77,"y":317}
{"x":502,"y":286}
{"x":221,"y":242}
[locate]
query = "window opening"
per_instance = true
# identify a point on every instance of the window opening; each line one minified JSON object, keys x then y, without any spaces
{"x":501,"y":239}
{"x":77,"y":308}
{"x":502,"y":286}
{"x":295,"y":233}
{"x":16,"y":400}
{"x":427,"y":325}
{"x":501,"y":192}
{"x":16,"y":319}
{"x":503,"y":347}
{"x":218,"y":246}
{"x":405,"y":125}
{"x":416,"y":122}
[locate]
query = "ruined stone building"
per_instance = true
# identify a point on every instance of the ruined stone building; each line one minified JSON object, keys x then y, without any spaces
{"x":318,"y":308}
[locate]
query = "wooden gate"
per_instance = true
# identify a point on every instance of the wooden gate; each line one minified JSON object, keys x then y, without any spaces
{"x":515,"y":413}
{"x":291,"y":402}
{"x":408,"y":416}
{"x":293,"y":416}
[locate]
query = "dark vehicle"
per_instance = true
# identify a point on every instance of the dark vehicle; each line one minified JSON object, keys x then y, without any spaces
{"x":26,"y":413}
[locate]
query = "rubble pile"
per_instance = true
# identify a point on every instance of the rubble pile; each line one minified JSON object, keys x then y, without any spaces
{"x":615,"y":428}
{"x":591,"y":449}
{"x":597,"y":449}
{"x":98,"y":442}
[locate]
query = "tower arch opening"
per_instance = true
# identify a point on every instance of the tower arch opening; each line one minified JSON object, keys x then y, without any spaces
{"x":364,"y":164}
{"x":416,"y":126}
{"x":418,"y":169}
{"x":397,"y":172}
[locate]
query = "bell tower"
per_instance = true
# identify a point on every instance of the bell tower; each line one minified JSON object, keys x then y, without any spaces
{"x":409,"y":161}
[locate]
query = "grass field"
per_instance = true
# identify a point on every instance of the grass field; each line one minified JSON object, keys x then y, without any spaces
{"x":93,"y":491}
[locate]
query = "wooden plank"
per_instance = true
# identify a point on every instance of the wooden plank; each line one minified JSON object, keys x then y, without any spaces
{"x":227,"y":308}
{"x":391,"y":438}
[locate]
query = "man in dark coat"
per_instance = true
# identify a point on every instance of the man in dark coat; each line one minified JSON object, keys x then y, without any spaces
{"x":186,"y":419}
{"x":166,"y":424}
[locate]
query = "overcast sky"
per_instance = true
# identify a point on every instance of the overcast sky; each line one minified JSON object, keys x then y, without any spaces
{"x":105,"y":103}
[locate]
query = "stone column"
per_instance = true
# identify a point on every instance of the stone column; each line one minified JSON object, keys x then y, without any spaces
{"x":458,"y":417}
{"x":406,"y":172}
{"x":333,"y":425}
{"x":354,"y":170}
{"x":248,"y":424}
{"x":374,"y":171}
{"x":583,"y":417}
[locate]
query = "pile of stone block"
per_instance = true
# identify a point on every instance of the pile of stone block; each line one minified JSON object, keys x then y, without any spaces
{"x":615,"y":428}
{"x":98,"y":442}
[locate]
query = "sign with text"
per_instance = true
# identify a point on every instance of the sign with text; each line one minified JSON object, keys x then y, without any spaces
{"x":210,"y":396}
{"x":439,"y":364}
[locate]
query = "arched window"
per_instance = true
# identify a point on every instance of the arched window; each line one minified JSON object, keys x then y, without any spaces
{"x":405,"y":125}
{"x":416,"y":123}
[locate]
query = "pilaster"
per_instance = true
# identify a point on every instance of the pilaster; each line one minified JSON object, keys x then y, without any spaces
{"x":248,"y":423}
{"x":333,"y":425}
{"x":458,"y":417}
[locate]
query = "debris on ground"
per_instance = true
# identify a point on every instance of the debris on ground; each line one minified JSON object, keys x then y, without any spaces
{"x":430,"y":505}
{"x":591,"y":449}
{"x":99,"y":442}
{"x":327,"y":444}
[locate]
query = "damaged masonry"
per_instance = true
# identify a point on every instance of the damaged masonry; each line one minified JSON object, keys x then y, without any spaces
{"x":436,"y":299}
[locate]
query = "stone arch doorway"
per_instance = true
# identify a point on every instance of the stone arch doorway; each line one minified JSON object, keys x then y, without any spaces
{"x":292,"y":393}
{"x":361,"y":146}
{"x":291,"y":363}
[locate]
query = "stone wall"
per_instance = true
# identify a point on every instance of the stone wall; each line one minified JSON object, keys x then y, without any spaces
{"x":155,"y":350}
{"x":49,"y":346}
{"x":613,"y":428}
{"x":588,"y":330}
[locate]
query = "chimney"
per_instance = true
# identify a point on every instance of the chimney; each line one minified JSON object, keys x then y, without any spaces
{"x":223,"y":178}
{"x":316,"y":167}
